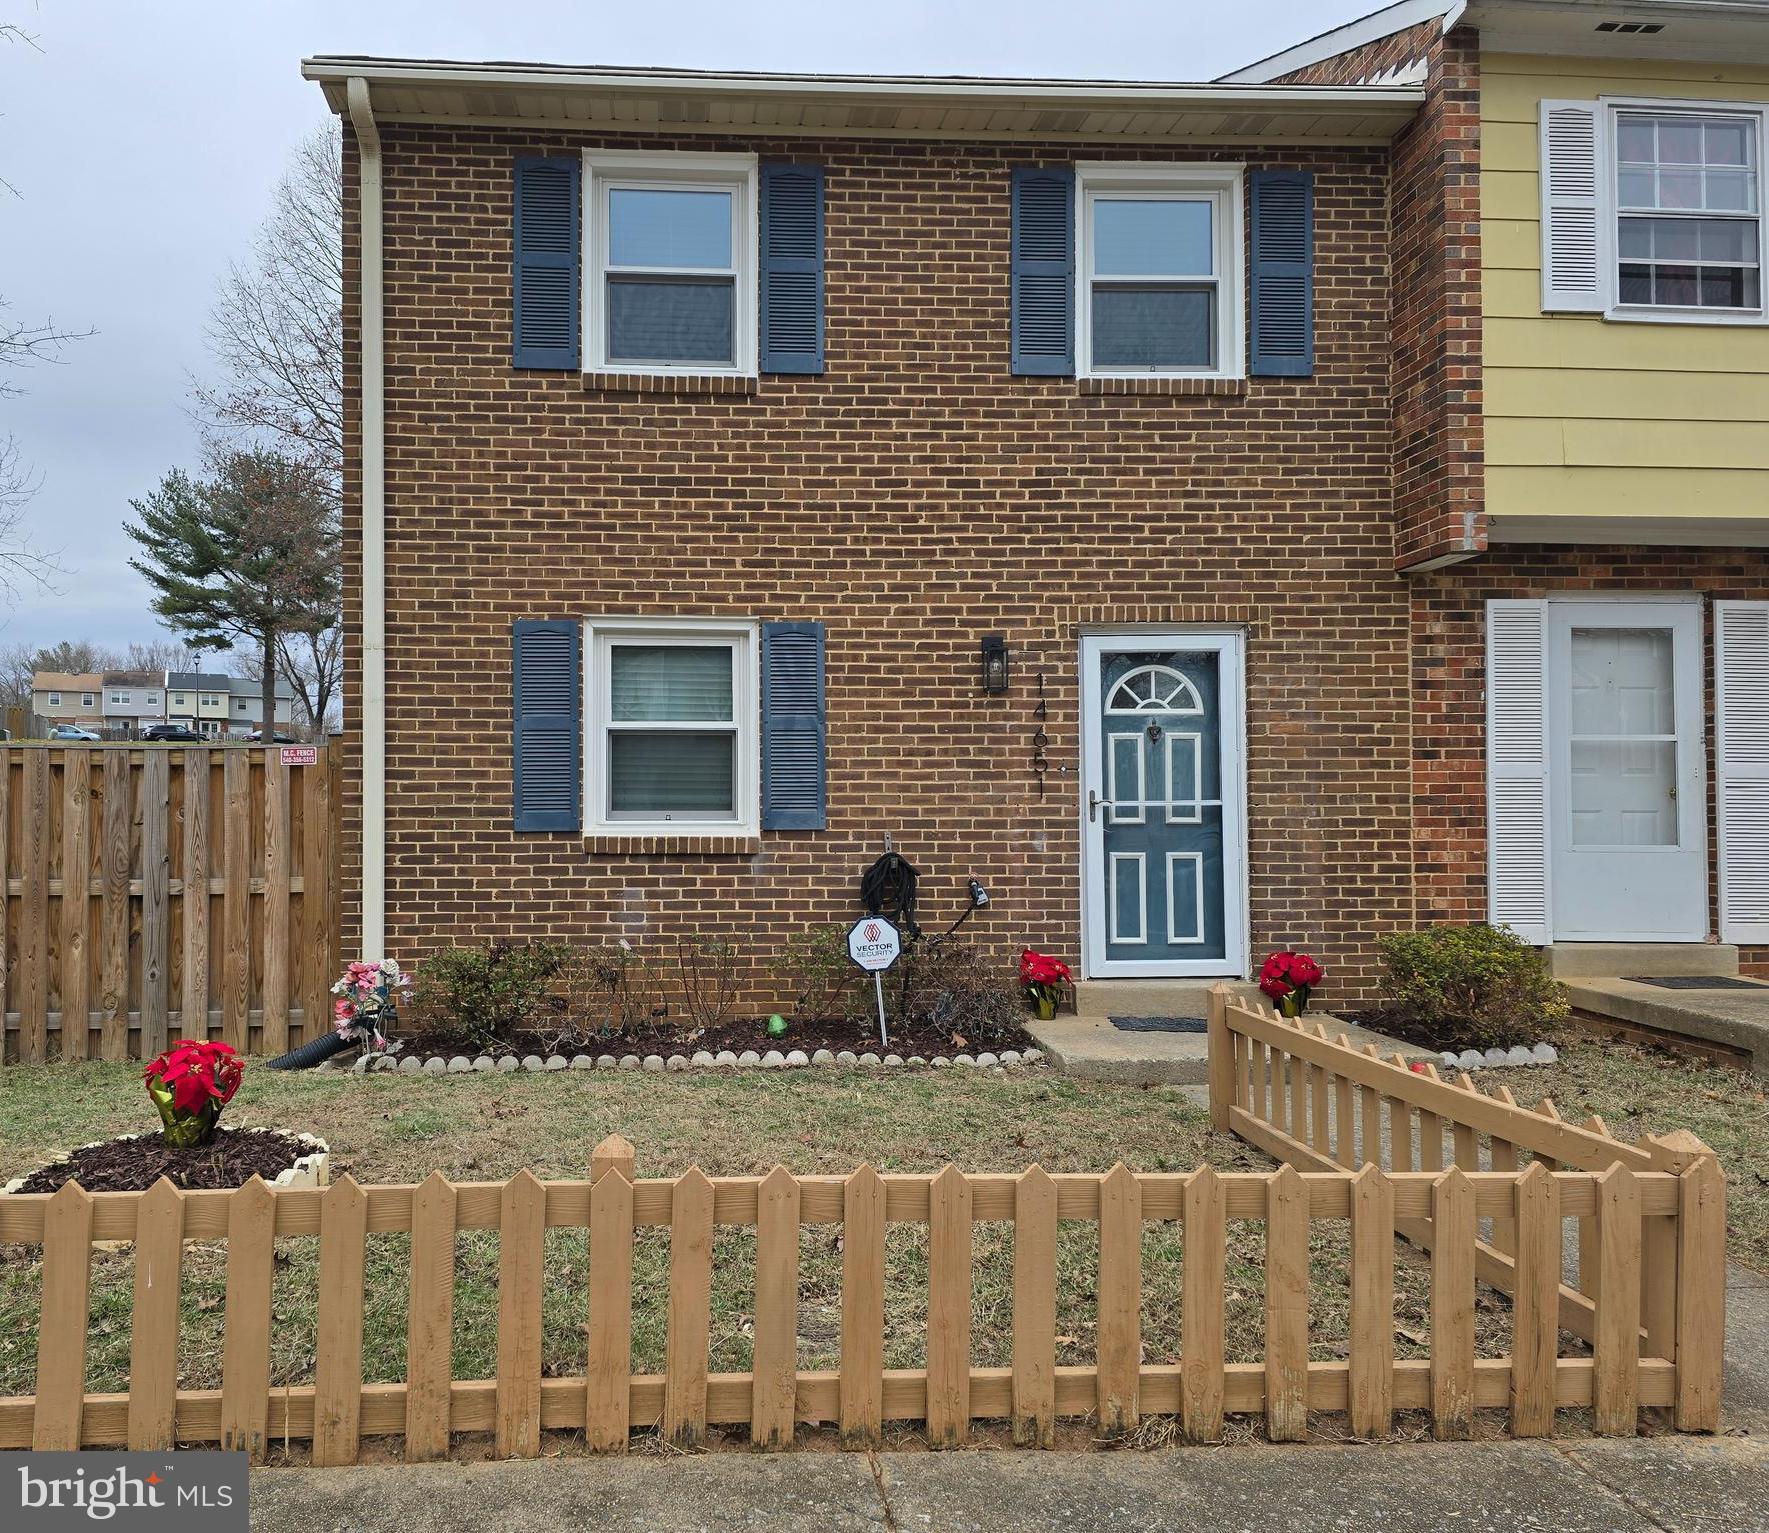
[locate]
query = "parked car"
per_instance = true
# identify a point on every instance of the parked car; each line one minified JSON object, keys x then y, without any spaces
{"x":170,"y":732}
{"x":279,"y":738}
{"x":72,"y":732}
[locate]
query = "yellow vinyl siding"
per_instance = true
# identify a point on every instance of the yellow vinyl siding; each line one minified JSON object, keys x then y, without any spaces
{"x":1653,"y":494}
{"x":1592,"y":417}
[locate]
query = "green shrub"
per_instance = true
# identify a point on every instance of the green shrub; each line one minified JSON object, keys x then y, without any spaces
{"x":490,"y":995}
{"x":1474,"y":986}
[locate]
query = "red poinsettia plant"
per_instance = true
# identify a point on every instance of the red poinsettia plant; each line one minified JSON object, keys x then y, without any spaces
{"x":1288,"y":978}
{"x":190,"y":1083}
{"x":1044,"y":978}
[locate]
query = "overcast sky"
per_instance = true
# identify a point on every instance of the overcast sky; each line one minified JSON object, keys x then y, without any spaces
{"x":143,"y":139}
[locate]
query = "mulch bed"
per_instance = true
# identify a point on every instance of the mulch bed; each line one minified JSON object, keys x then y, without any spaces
{"x":924,"y":1039}
{"x":1395,"y":1022}
{"x":135,"y":1164}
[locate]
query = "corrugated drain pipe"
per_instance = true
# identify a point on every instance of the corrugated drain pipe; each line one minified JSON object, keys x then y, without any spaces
{"x":374,"y":528}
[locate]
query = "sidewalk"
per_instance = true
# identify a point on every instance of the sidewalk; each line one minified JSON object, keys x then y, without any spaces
{"x":1647,"y":1485}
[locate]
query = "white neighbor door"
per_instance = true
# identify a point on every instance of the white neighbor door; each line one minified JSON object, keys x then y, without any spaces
{"x":1627,"y":797}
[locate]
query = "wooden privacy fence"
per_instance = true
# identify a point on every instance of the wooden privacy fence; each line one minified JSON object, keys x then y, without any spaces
{"x":1650,"y":1291}
{"x":1117,"y":1387}
{"x":154,"y":893}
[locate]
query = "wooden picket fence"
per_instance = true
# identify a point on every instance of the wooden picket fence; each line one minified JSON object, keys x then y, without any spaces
{"x":1672,"y":1363}
{"x":160,"y":892}
{"x":1650,"y":1293}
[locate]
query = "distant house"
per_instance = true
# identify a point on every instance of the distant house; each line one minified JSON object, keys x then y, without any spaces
{"x":199,"y":700}
{"x":68,"y":698}
{"x":215,"y":704}
{"x":245,"y":707}
{"x":131,"y":700}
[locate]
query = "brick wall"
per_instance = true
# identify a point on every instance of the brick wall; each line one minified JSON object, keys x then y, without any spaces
{"x":1449,"y":691}
{"x":913,"y":498}
{"x":1435,"y":231}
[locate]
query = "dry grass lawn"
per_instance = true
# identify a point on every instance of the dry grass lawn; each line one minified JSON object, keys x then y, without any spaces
{"x":477,"y":1128}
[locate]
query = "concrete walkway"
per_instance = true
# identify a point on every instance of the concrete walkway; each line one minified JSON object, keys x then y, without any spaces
{"x":1640,"y":1485}
{"x":1643,"y":1485}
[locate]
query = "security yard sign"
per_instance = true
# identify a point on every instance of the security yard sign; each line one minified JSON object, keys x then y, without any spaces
{"x":874,"y":944}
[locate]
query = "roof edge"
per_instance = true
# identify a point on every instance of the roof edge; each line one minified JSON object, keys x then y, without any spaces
{"x":336,"y":68}
{"x":1355,"y":33}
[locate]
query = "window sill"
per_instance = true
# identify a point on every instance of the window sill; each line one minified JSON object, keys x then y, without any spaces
{"x":1717,"y":318}
{"x":673,"y":844}
{"x":669,"y":383}
{"x":1131,"y":384}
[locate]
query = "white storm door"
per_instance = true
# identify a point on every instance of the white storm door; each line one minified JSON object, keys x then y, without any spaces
{"x":1628,"y":807}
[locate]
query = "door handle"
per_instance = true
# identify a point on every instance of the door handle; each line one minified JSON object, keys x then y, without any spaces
{"x":1094,"y":804}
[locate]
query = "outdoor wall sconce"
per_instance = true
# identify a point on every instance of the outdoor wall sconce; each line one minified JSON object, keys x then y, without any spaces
{"x":994,"y":663}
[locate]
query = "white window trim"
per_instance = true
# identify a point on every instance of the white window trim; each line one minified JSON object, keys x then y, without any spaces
{"x":745,"y":637}
{"x":1223,"y":183}
{"x":668,"y":168}
{"x":55,"y":699}
{"x":1634,"y":313}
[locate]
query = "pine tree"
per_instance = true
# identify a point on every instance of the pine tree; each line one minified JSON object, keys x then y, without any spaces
{"x":246,"y":555}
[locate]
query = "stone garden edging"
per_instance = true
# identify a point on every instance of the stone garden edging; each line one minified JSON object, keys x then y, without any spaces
{"x":749,"y":1059}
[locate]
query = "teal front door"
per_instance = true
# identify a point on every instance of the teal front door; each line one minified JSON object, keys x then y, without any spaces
{"x":1162,"y":804}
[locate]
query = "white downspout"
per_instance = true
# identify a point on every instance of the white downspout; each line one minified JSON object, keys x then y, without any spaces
{"x":374,"y":528}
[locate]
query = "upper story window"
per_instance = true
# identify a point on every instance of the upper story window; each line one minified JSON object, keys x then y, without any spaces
{"x":672,"y":739}
{"x":1159,"y":267}
{"x":55,"y":699}
{"x":88,"y":700}
{"x":120,"y":697}
{"x":1688,"y":193}
{"x":671,"y":263}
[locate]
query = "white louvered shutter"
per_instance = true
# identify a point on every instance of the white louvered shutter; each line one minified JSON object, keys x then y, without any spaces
{"x":1741,"y":686}
{"x":1517,"y":767}
{"x":1575,"y":239}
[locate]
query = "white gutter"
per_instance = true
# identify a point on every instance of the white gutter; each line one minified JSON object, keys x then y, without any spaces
{"x":374,"y":528}
{"x":957,"y":89}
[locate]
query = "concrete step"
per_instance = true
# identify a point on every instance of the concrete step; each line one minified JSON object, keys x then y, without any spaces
{"x":1090,"y":1047}
{"x":1606,"y":960}
{"x":1738,"y":1020}
{"x":1101,"y":998}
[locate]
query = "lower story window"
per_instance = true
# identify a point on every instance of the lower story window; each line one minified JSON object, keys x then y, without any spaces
{"x":672,"y":737}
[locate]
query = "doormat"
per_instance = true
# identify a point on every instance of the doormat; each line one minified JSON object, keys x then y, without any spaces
{"x":1694,"y":982}
{"x":1160,"y":1024}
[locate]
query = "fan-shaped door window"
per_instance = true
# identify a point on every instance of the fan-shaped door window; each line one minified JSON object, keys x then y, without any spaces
{"x":1154,"y":689}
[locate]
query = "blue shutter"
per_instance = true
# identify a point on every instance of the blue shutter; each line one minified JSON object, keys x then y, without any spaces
{"x":1281,"y":312}
{"x":792,"y":268}
{"x":794,"y":786}
{"x":1044,"y":272}
{"x":548,"y":747}
{"x":546,"y":275}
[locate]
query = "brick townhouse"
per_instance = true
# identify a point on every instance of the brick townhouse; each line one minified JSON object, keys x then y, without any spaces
{"x":1061,"y":479}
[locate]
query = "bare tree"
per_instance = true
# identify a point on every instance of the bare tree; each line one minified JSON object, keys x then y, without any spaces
{"x":313,"y":664}
{"x":20,"y":662}
{"x":160,"y":655}
{"x":276,"y":331}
